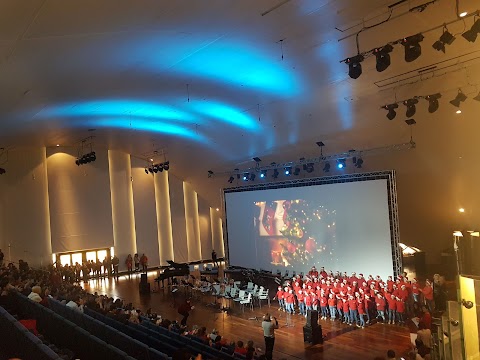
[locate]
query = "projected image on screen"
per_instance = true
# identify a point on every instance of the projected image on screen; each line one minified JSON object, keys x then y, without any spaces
{"x":343,"y":227}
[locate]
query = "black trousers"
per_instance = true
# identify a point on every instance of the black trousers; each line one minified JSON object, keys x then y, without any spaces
{"x":269,"y":342}
{"x":184,"y":320}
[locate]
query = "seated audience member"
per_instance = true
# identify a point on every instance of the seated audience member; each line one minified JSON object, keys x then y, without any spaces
{"x":424,"y":334}
{"x":202,"y":334}
{"x":35,"y":294}
{"x":175,"y":327}
{"x":239,"y":349}
{"x":422,"y":351}
{"x":251,"y":353}
{"x":76,"y":304}
{"x":426,"y":317}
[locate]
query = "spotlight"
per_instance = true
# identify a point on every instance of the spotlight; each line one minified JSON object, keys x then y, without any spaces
{"x":355,"y":66}
{"x":445,"y":39}
{"x":467,"y":304}
{"x":391,"y":111}
{"x":2,"y":171}
{"x":477,"y":98}
{"x":359,"y":163}
{"x":246,"y":176}
{"x":308,"y":168}
{"x":77,"y":162}
{"x":275,"y":173}
{"x":263,"y":174}
{"x":341,"y":163}
{"x":413,"y":50}
{"x":160,"y":167}
{"x":433,"y":102}
{"x":296,"y":171}
{"x":166,"y":165}
{"x":326,"y":167}
{"x":146,"y":171}
{"x":471,"y":35}
{"x":230,"y":179}
{"x":150,"y":170}
{"x":252,"y":177}
{"x":155,"y":169}
{"x":461,"y":97}
{"x":383,"y":57}
{"x":288,"y":170}
{"x":410,"y":104}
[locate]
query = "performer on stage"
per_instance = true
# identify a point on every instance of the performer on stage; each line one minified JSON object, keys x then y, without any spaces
{"x":269,"y":334}
{"x":184,"y":310}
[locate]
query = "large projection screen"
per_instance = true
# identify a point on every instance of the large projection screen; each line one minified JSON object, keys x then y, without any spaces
{"x":346,"y":223}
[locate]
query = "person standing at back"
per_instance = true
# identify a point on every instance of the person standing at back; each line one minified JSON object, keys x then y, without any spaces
{"x":136,"y":260}
{"x":214,"y":258}
{"x":269,"y":327}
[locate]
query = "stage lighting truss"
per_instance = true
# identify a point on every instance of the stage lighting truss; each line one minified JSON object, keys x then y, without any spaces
{"x":412,"y":46}
{"x":156,"y":168}
{"x":83,"y":158}
{"x":326,"y":161}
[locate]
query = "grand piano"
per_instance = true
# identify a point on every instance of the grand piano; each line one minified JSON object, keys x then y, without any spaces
{"x":174,"y":269}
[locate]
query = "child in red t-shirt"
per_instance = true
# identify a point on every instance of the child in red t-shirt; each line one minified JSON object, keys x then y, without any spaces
{"x":332,"y":305}
{"x":400,"y":310}
{"x":323,"y":306}
{"x":380,"y":304}
{"x":346,"y":311}
{"x":392,"y":306}
{"x":281,"y":300}
{"x":361,"y":312}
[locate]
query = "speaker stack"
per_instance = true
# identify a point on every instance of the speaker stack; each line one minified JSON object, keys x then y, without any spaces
{"x":312,"y":332}
{"x":144,"y":286}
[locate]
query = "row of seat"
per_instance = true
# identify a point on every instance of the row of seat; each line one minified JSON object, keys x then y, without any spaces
{"x":146,"y":331}
{"x":143,"y":348}
{"x":18,"y":341}
{"x":67,"y":334}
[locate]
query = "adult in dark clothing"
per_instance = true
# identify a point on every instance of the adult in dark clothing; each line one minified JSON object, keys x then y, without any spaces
{"x":2,"y":256}
{"x":184,"y":310}
{"x":269,"y":327}
{"x":115,"y":263}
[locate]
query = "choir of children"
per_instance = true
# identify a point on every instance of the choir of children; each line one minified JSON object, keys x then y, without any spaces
{"x":353,"y":299}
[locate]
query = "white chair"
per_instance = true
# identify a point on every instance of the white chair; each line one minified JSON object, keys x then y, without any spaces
{"x":242,"y":295}
{"x":263,"y":295}
{"x":249,"y":286}
{"x":254,"y":291}
{"x":247,"y":301}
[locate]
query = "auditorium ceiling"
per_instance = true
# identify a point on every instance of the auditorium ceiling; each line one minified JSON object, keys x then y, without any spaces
{"x":214,"y":83}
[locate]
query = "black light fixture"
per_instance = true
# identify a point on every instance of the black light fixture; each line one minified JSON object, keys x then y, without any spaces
{"x":166,"y":165}
{"x":210,"y":173}
{"x":263,"y":174}
{"x":326,"y":167}
{"x":2,"y":171}
{"x":150,"y":170}
{"x":383,"y":57}
{"x":275,"y":173}
{"x":411,"y":108}
{"x":446,"y":39}
{"x":296,"y":171}
{"x":146,"y":170}
{"x":413,"y":50}
{"x":391,"y":111}
{"x":288,"y":170}
{"x":461,"y":97}
{"x":246,"y":177}
{"x":355,"y":66}
{"x":471,"y":35}
{"x":341,"y":164}
{"x":358,"y":162}
{"x":433,"y":103}
{"x":309,"y":168}
{"x":477,"y":98}
{"x":230,"y":179}
{"x":86,"y":158}
{"x":252,"y":177}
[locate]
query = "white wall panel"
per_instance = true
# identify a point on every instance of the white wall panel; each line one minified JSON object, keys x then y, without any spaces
{"x":177,"y":206}
{"x":205,"y":229}
{"x":192,"y":225}
{"x":217,"y":233}
{"x":164,"y":220}
{"x":145,"y":212}
{"x":25,"y":225}
{"x":80,"y":202}
{"x":122,"y":204}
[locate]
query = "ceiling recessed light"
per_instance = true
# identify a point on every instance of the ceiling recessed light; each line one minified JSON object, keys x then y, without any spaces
{"x":458,"y":111}
{"x":463,"y":14}
{"x":462,"y":210}
{"x":151,"y":159}
{"x":217,"y":209}
{"x":58,"y":145}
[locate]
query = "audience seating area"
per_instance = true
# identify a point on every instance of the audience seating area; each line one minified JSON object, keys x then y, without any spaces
{"x":17,"y":340}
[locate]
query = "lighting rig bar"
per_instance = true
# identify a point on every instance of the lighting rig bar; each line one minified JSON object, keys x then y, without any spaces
{"x":320,"y":159}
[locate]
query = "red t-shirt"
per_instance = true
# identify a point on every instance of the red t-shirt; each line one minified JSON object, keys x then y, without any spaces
{"x":308,"y":300}
{"x":345,"y":306}
{"x":332,"y":302}
{"x":428,"y":292}
{"x":323,"y":301}
{"x":361,"y":307}
{"x":400,"y":306}
{"x":280,"y":294}
{"x":392,"y":303}
{"x":352,"y":304}
{"x":289,"y":298}
{"x":415,"y":289}
{"x":300,"y":297}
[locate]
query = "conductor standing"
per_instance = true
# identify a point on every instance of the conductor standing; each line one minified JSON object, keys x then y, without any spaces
{"x":214,"y":258}
{"x":269,"y":327}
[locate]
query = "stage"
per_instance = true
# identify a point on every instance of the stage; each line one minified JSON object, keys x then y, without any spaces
{"x":343,"y":342}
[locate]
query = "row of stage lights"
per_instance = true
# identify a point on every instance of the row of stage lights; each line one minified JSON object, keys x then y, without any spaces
{"x":155,"y":168}
{"x":433,"y":104}
{"x":85,"y":159}
{"x":412,"y":46}
{"x":295,"y":170}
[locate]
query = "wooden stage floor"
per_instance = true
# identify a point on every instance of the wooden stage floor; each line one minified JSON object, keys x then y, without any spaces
{"x":343,"y":342}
